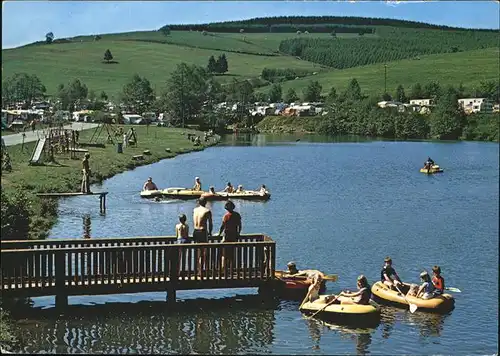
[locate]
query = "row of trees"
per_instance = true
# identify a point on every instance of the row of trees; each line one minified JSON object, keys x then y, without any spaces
{"x":278,"y":28}
{"x":353,"y":113}
{"x":347,"y":53}
{"x":336,"y":20}
{"x":218,"y":66}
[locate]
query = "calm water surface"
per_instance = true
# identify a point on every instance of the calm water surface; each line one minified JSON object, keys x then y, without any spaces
{"x":339,"y":206}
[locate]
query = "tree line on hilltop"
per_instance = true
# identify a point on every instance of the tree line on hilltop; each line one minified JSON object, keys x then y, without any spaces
{"x":322,"y":20}
{"x":348,"y":53}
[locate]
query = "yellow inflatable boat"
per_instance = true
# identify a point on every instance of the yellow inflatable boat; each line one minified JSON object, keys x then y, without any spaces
{"x":434,"y":169}
{"x":246,"y":195}
{"x":345,"y":313}
{"x":151,"y":193}
{"x":182,"y":193}
{"x":384,"y":294}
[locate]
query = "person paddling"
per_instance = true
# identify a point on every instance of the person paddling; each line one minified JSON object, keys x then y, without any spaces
{"x":437,"y":280}
{"x":388,"y":275}
{"x":149,"y":185}
{"x":229,"y":188}
{"x":362,"y":296}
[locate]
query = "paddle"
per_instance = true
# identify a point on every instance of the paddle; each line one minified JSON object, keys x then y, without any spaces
{"x":329,"y":303}
{"x":413,"y":307}
{"x":327,"y":277}
{"x":307,"y":296}
{"x":456,"y":290}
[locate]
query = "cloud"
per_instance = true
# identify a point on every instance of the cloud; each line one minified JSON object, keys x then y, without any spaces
{"x":396,"y":3}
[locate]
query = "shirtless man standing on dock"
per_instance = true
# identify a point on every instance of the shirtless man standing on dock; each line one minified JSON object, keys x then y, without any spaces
{"x":202,"y":217}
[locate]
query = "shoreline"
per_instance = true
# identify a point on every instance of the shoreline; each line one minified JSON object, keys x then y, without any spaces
{"x":64,"y":175}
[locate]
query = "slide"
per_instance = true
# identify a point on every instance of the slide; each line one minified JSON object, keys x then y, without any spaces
{"x":37,"y":153}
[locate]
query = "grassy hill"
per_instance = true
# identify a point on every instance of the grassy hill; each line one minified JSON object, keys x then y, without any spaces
{"x":154,"y":55}
{"x":469,"y":68}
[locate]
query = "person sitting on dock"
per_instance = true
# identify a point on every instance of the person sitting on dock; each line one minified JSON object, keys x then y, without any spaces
{"x":362,"y":296}
{"x":389,"y":276}
{"x":437,"y":280}
{"x":86,"y":174}
{"x":197,"y":184}
{"x":149,"y":185}
{"x":182,"y":230}
{"x":240,"y":189}
{"x":229,"y":188}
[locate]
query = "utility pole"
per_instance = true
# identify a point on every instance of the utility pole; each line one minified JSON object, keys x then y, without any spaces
{"x":182,"y":97}
{"x":385,"y":78}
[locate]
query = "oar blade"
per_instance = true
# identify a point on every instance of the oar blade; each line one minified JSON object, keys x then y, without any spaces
{"x":413,"y":308}
{"x":456,"y":290}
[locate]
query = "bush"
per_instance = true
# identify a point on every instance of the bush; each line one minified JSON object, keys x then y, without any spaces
{"x":15,"y":215}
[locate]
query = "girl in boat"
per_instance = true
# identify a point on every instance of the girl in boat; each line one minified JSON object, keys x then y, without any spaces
{"x":362,"y":296}
{"x":426,"y":289}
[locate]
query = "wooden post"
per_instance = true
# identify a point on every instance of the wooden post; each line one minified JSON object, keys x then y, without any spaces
{"x":173,"y":256}
{"x":61,"y":295}
{"x":102,"y":203}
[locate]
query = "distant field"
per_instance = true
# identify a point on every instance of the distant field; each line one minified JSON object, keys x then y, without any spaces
{"x":154,"y":55}
{"x":59,"y":63}
{"x":469,"y":68}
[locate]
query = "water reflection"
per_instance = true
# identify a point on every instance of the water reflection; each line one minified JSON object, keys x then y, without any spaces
{"x":86,"y":226}
{"x":429,"y":324}
{"x":230,"y":325}
{"x":362,"y":337}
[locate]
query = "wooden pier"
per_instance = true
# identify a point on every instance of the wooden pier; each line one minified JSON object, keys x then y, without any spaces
{"x":102,"y":197}
{"x":132,"y":265}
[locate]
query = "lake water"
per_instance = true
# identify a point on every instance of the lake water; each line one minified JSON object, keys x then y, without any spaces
{"x":340,"y":206}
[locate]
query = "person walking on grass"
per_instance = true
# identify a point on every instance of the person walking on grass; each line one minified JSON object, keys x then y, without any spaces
{"x":86,"y":174}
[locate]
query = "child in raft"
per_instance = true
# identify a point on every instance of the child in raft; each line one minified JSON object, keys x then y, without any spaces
{"x":437,"y":280}
{"x":313,"y":291}
{"x":362,"y":296}
{"x":426,"y":289}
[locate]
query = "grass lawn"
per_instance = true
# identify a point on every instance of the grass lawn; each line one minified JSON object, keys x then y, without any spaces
{"x":59,"y":63}
{"x":469,"y":68}
{"x":65,"y":175}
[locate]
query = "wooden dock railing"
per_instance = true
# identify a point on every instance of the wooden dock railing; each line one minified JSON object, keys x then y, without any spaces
{"x":127,"y":265}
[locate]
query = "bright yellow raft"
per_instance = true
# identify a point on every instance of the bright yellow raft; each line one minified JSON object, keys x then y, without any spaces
{"x":383,"y":293}
{"x":434,"y":169}
{"x":348,"y":313}
{"x":151,"y":193}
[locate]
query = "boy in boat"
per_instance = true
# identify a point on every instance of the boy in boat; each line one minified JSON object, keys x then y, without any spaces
{"x":149,"y":185}
{"x":362,"y":296}
{"x":388,"y":275}
{"x":240,"y":189}
{"x":182,"y":230}
{"x":229,"y":188}
{"x":231,"y":228}
{"x":263,"y":190}
{"x":197,"y":184}
{"x":426,"y":289}
{"x":211,"y":190}
{"x":437,"y":280}
{"x":429,"y":163}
